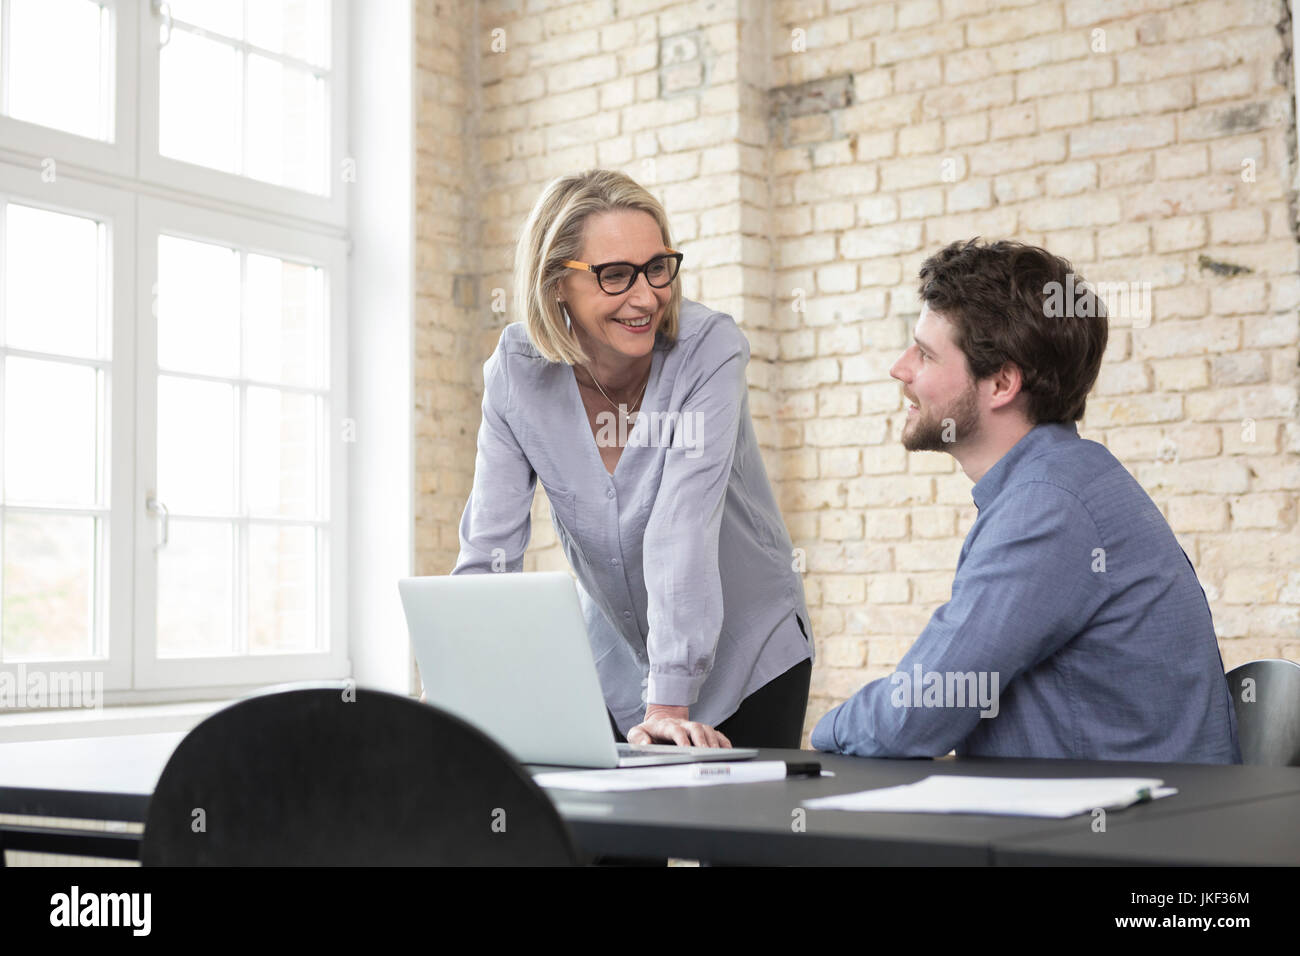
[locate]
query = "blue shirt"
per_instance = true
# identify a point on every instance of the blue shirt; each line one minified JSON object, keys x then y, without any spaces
{"x":1074,"y":596}
{"x":685,"y":570}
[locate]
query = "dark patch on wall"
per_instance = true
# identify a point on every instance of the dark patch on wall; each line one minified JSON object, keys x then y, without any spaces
{"x":788,"y":105}
{"x":684,"y":63}
{"x":1241,"y":119}
{"x":1221,"y":268}
{"x":1284,"y":73}
{"x":814,"y":96}
{"x":464,"y":291}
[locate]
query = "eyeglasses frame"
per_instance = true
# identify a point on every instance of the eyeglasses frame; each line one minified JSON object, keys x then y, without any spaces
{"x":637,"y":270}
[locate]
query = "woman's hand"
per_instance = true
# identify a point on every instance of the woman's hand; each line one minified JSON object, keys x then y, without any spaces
{"x":664,"y":724}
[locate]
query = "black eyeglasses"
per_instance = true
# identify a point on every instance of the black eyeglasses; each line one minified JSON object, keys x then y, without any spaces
{"x":615,"y":278}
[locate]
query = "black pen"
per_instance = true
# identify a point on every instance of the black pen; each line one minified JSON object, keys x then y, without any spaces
{"x":806,"y":768}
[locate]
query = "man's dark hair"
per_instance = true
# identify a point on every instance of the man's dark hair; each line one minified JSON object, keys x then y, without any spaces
{"x":1003,"y":308}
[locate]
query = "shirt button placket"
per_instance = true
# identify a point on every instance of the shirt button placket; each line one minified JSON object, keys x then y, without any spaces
{"x":614,"y":564}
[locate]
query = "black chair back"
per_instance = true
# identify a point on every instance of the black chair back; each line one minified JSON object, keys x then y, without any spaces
{"x":339,"y":775}
{"x":1268,"y":711}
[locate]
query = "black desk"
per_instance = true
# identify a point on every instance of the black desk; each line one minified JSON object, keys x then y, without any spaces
{"x":1221,"y":815}
{"x":1250,"y":833}
{"x":1206,"y":822}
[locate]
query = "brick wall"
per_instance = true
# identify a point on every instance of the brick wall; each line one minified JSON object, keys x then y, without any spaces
{"x":448,"y":226}
{"x":810,"y":155}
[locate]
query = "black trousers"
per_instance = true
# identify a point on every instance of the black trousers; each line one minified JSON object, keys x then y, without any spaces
{"x":772,"y":716}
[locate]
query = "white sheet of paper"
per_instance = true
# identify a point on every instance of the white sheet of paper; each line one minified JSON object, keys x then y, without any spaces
{"x":705,"y":774}
{"x":1007,"y":796}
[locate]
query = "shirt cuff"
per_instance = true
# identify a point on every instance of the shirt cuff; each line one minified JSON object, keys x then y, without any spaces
{"x":823,"y":735}
{"x":673,"y":690}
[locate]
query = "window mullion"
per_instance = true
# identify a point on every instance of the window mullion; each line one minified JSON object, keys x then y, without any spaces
{"x":241,"y":129}
{"x":4,"y":57}
{"x":241,"y":510}
{"x":108,"y":74}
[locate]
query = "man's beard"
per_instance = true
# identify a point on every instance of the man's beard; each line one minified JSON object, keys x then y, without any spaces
{"x":956,"y":423}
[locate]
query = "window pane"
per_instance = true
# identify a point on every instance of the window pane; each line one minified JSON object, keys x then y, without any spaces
{"x":281,"y":589}
{"x":59,"y":65}
{"x":50,"y":432}
{"x":198,"y":109}
{"x":286,"y":125}
{"x":44,"y":311}
{"x":196,"y":446}
{"x":280,"y":454}
{"x":284,"y":333}
{"x":217,"y":16}
{"x":198,"y":307}
{"x":48,"y":589}
{"x":195,"y":592}
{"x":296,"y":28}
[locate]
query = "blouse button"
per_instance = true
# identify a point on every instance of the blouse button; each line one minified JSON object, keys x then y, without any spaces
{"x":627,"y":614}
{"x":613,"y":562}
{"x":609,"y":492}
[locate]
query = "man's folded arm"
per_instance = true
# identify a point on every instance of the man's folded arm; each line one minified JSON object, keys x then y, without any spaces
{"x":1029,"y":583}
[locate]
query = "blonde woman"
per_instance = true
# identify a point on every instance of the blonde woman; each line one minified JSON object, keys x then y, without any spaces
{"x":629,"y":404}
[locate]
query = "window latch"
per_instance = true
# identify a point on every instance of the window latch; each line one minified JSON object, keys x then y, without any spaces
{"x":164,"y":9}
{"x":157,"y":508}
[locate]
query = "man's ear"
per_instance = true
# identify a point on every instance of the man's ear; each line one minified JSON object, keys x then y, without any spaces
{"x":1007,"y":383}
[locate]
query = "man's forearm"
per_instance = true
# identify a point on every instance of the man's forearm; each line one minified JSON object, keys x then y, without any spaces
{"x":870,"y":724}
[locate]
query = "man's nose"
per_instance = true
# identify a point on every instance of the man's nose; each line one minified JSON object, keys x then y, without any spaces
{"x":899,"y":370}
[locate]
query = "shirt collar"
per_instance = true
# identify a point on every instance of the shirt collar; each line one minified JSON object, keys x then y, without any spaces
{"x":1036,"y":441}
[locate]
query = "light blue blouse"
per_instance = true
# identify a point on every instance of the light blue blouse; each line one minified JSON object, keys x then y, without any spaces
{"x":686,"y":573}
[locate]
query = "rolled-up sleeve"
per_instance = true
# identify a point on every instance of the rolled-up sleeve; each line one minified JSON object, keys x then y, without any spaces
{"x":1025,"y":588}
{"x":683,"y":581}
{"x":496,"y":524}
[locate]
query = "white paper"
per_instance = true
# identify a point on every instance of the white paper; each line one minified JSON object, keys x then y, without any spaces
{"x":1009,"y":796}
{"x":704,"y":774}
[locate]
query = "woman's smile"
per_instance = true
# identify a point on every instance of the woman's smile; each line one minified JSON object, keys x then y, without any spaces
{"x":636,"y":325}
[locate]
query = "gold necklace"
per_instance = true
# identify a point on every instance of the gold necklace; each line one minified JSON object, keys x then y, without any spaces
{"x":620,"y":408}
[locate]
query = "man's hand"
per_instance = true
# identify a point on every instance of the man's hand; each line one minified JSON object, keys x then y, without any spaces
{"x":664,"y":724}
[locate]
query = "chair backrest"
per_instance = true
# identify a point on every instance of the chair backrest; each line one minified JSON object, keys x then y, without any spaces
{"x":340,"y":775}
{"x":1268,"y":711}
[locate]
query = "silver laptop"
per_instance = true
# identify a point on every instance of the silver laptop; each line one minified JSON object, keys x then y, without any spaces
{"x":509,"y":654}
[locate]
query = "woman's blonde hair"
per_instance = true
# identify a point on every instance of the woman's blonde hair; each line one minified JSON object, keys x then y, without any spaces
{"x":553,"y":232}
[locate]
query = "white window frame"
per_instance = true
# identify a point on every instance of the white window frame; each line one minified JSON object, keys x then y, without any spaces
{"x":126,"y":184}
{"x":229,"y":187}
{"x":157,"y":216}
{"x":117,"y":210}
{"x":68,"y":149}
